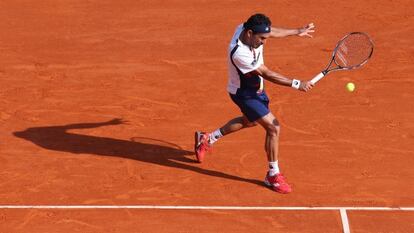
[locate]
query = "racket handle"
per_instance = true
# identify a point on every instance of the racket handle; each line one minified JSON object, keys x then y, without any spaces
{"x":317,"y":78}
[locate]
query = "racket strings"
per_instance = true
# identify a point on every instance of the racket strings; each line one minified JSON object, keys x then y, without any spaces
{"x":353,"y":51}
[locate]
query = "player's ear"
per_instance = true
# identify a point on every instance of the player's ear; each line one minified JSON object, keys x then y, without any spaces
{"x":250,"y":33}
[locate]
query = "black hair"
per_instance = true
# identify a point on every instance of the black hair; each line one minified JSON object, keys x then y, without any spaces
{"x":256,"y":20}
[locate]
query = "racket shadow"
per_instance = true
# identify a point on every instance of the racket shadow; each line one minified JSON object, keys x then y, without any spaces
{"x":148,"y":150}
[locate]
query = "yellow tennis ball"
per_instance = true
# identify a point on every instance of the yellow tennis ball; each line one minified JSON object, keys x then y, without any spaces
{"x":350,"y":87}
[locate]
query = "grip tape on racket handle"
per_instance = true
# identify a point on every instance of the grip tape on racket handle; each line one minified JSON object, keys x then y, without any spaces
{"x":317,"y":78}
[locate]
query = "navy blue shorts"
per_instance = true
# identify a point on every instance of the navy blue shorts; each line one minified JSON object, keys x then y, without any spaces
{"x":253,"y":105}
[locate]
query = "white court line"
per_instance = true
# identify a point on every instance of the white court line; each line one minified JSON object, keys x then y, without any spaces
{"x":203,"y":207}
{"x":345,"y":223}
{"x":344,"y":217}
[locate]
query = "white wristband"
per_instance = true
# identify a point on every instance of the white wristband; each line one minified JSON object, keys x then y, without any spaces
{"x":296,"y":84}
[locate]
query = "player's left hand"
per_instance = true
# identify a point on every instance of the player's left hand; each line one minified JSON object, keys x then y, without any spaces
{"x":306,"y":30}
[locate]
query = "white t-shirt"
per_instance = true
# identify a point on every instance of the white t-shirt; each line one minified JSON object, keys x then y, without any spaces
{"x":246,"y":60}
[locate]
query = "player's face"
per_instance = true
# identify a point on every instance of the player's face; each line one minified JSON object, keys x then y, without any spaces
{"x":259,"y":39}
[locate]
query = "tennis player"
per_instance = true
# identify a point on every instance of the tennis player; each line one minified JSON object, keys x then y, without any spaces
{"x":246,"y":88}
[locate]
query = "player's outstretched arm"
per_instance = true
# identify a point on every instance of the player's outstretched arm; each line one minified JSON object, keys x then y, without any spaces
{"x":283,"y":32}
{"x":280,"y":79}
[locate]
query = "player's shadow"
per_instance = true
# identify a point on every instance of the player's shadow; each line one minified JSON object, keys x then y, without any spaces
{"x":142,"y":149}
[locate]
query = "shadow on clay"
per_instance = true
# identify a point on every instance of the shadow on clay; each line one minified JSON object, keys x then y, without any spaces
{"x":142,"y":149}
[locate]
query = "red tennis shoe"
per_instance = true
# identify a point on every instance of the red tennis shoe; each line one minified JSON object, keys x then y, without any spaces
{"x":278,"y":183}
{"x":201,"y":145}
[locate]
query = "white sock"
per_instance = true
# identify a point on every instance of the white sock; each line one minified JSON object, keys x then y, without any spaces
{"x":214,"y":136}
{"x":274,"y":168}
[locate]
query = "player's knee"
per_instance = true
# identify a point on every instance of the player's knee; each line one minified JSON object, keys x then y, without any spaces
{"x":274,"y":128}
{"x":247,"y":123}
{"x":250,"y":124}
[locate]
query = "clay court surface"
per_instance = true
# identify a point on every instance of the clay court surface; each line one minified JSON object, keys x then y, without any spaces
{"x":99,"y":101}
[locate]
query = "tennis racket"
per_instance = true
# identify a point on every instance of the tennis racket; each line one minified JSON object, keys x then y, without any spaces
{"x":351,"y":52}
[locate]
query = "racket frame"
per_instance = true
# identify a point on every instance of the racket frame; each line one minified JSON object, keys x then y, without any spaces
{"x":338,"y":67}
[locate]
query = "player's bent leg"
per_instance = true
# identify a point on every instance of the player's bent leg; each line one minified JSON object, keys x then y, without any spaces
{"x":203,"y":141}
{"x":237,"y":124}
{"x":247,"y":123}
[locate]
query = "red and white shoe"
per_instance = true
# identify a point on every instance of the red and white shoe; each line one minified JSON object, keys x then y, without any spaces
{"x":201,"y":145}
{"x":278,"y":183}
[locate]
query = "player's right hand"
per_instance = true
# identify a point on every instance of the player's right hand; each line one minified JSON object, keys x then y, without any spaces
{"x":306,"y":86}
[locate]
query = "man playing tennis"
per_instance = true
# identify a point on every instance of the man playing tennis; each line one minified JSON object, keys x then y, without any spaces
{"x":246,"y":89}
